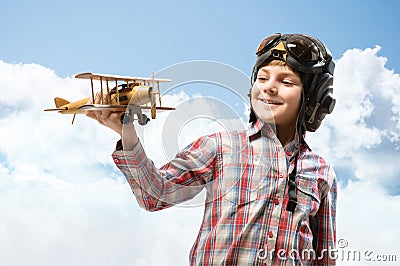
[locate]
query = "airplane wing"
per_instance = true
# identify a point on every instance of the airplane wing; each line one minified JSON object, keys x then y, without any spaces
{"x":117,"y":108}
{"x":162,"y":108}
{"x":98,"y":107}
{"x":114,"y":108}
{"x":106,"y":77}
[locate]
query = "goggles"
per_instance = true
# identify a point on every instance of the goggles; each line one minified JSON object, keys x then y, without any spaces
{"x":302,"y":52}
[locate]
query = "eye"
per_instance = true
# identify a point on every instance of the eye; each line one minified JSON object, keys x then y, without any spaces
{"x":262,"y":78}
{"x":287,"y":82}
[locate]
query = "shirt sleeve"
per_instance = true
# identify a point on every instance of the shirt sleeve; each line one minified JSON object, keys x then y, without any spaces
{"x":326,"y":224}
{"x":177,"y":181}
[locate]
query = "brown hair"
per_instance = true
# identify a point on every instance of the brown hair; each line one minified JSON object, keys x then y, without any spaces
{"x":278,"y":63}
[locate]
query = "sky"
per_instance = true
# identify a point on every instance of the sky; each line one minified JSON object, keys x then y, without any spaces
{"x":63,"y":202}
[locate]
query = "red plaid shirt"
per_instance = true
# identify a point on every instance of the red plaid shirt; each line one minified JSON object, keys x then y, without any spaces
{"x":245,"y":218}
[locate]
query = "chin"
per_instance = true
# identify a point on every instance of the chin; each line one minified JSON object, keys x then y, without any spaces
{"x":267,"y":119}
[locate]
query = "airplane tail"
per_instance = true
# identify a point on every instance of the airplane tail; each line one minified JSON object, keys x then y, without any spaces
{"x":60,"y":102}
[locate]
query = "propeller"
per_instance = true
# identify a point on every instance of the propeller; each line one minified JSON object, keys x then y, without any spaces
{"x":153,"y":110}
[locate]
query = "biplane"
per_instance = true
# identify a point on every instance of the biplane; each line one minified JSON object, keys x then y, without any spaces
{"x":128,"y":94}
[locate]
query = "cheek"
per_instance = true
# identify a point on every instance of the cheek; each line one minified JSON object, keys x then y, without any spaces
{"x":299,"y":99}
{"x":253,"y":97}
{"x":253,"y":93}
{"x":293,"y":98}
{"x":296,"y":101}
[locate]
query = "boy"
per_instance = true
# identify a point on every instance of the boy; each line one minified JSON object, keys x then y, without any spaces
{"x":270,"y":199}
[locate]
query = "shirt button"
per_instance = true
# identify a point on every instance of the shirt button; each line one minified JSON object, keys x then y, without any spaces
{"x":280,"y":175}
{"x":270,"y":234}
{"x":116,"y":160}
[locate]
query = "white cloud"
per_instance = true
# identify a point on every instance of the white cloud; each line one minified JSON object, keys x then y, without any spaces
{"x":360,"y":138}
{"x":96,"y":223}
{"x":365,"y":117}
{"x":367,"y":219}
{"x":193,"y":118}
{"x":64,"y":203}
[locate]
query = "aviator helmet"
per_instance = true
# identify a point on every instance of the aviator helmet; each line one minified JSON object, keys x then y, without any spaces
{"x":310,"y":57}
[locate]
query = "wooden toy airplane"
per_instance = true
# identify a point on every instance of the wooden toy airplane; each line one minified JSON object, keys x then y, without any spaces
{"x":132,"y":96}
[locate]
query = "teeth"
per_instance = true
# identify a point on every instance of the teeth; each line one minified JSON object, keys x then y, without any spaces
{"x":265,"y":101}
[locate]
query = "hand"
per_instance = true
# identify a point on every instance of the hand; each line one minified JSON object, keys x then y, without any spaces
{"x":112,"y":119}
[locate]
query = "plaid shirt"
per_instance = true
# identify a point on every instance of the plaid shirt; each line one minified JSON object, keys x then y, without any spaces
{"x":245,"y":218}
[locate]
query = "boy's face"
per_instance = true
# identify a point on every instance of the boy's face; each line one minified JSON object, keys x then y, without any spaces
{"x":276,"y":95}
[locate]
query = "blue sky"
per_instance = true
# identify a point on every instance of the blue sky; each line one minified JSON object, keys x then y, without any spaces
{"x":144,"y":36}
{"x":64,"y":202}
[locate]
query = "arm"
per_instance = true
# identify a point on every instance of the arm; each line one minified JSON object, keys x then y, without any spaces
{"x":112,"y":120}
{"x":177,"y":181}
{"x":155,"y":189}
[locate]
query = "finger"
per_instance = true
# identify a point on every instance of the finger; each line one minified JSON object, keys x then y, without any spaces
{"x":102,"y":100}
{"x":90,"y":114}
{"x":105,"y":112}
{"x":97,"y":98}
{"x":105,"y":98}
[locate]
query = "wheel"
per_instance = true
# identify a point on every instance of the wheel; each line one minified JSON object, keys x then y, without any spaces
{"x":126,"y":118}
{"x":143,"y":119}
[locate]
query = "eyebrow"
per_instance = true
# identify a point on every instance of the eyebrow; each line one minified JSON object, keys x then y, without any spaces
{"x":284,"y":72}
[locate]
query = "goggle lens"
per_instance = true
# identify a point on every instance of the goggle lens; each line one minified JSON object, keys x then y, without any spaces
{"x":302,"y":48}
{"x":266,"y":43}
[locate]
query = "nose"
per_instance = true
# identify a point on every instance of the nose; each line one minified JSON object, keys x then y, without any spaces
{"x":270,"y":87}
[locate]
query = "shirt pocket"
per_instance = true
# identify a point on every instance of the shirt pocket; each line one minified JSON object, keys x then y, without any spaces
{"x":243,"y":177}
{"x":308,"y":198}
{"x":239,"y":196}
{"x":237,"y":187}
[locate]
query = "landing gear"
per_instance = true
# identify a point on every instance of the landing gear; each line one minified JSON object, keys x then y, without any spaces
{"x":129,"y":116}
{"x":126,"y":118}
{"x":143,"y":119}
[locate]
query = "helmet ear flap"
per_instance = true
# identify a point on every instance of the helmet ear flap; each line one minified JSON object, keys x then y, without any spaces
{"x":319,"y":101}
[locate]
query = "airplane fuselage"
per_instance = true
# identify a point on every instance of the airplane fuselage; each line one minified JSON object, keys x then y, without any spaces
{"x":136,"y":95}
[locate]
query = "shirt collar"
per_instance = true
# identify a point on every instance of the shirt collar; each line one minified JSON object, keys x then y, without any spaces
{"x":254,"y":127}
{"x":290,"y":148}
{"x":260,"y":128}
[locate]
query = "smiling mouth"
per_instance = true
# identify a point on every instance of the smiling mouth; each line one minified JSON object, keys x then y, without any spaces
{"x":269,"y":102}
